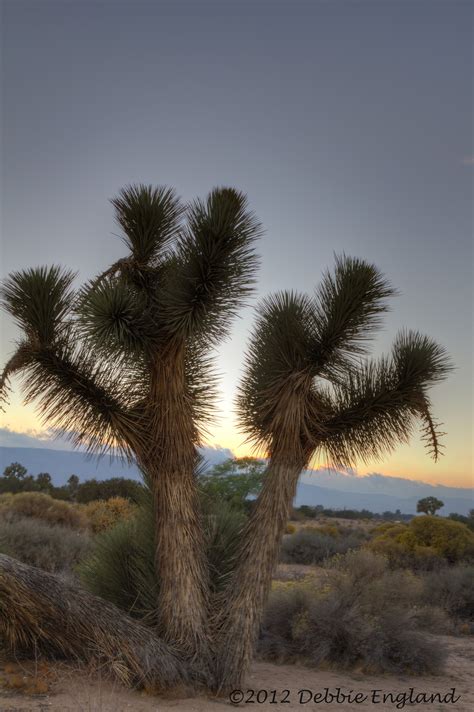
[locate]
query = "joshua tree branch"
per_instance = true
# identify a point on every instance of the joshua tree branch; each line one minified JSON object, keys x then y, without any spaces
{"x":16,"y":363}
{"x":74,"y":396}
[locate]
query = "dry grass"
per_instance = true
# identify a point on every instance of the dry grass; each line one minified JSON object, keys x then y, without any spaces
{"x":44,"y":508}
{"x":53,"y":548}
{"x":38,"y":611}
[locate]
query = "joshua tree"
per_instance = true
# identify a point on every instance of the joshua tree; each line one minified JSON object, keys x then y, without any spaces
{"x":124,"y":363}
{"x":306,"y":391}
{"x":429,"y":505}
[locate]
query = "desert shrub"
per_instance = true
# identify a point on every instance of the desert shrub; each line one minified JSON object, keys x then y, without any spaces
{"x":452,"y":589}
{"x":290,"y":528}
{"x":330,"y":530}
{"x":102,"y":515}
{"x":42,"y":507}
{"x":52,"y":548}
{"x":312,"y":545}
{"x":451,"y":540}
{"x":364,"y":615}
{"x":120,"y":567}
{"x":468,"y":521}
{"x":417,"y":558}
{"x":426,"y":543}
{"x":381,"y":529}
{"x":434,"y":619}
{"x":223,"y":524}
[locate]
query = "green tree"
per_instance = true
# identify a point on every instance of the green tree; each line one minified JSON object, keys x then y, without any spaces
{"x":234,"y":481}
{"x":16,"y":479}
{"x":125,"y":364}
{"x":93,"y":489}
{"x":429,"y":505}
{"x":73,"y":486}
{"x":15,"y":471}
{"x":44,"y":481}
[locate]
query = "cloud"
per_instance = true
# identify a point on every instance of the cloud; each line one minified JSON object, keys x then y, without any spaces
{"x":31,"y":438}
{"x":212,"y":454}
{"x":468,"y":161}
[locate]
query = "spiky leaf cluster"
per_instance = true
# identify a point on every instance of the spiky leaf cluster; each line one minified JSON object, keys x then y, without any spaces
{"x":306,"y":386}
{"x":150,"y":219}
{"x":213,"y":267}
{"x":39,"y":299}
{"x":87,"y":357}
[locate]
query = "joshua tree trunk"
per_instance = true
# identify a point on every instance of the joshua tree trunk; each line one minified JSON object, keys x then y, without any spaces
{"x":238,"y":620}
{"x":179,"y":539}
{"x":179,"y":561}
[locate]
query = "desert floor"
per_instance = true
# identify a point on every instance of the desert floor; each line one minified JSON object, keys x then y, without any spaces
{"x":75,"y":690}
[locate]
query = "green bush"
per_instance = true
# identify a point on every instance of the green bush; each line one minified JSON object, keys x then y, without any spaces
{"x":223,"y":525}
{"x":468,"y":521}
{"x":121,"y":569}
{"x":311,"y":545}
{"x":52,"y":548}
{"x":120,"y":566}
{"x":451,"y":540}
{"x":426,"y":543}
{"x":364,"y":616}
{"x":42,"y":507}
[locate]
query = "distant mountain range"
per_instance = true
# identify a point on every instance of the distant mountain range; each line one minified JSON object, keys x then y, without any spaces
{"x":329,"y":488}
{"x":60,"y":464}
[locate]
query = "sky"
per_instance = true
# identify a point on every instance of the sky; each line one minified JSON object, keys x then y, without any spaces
{"x":347,"y":123}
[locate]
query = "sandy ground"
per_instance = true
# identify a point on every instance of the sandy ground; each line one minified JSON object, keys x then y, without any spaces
{"x":72,"y":690}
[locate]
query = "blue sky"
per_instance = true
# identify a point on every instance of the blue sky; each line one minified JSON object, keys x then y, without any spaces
{"x":349,"y":125}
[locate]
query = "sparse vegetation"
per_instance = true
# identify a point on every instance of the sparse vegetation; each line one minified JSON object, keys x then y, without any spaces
{"x":452,"y":589}
{"x":306,"y":511}
{"x":364,"y":615}
{"x":56,"y":549}
{"x":311,"y":545}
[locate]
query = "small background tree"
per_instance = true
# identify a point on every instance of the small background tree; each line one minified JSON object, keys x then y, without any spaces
{"x":429,"y":505}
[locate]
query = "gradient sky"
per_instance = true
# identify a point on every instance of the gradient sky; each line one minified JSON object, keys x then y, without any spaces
{"x":349,"y":125}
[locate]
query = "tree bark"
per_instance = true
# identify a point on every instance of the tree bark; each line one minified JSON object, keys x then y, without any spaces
{"x":180,"y":563}
{"x":179,"y":537}
{"x":237,"y":623}
{"x":40,"y":611}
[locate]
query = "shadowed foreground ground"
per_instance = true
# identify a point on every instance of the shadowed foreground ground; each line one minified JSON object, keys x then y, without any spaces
{"x":73,"y":690}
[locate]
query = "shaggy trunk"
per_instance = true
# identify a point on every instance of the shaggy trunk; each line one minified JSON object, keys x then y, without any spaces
{"x":237,"y":624}
{"x":40,"y":611}
{"x":179,"y":538}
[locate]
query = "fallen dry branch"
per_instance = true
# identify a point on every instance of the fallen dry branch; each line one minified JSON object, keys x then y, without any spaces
{"x":39,"y":611}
